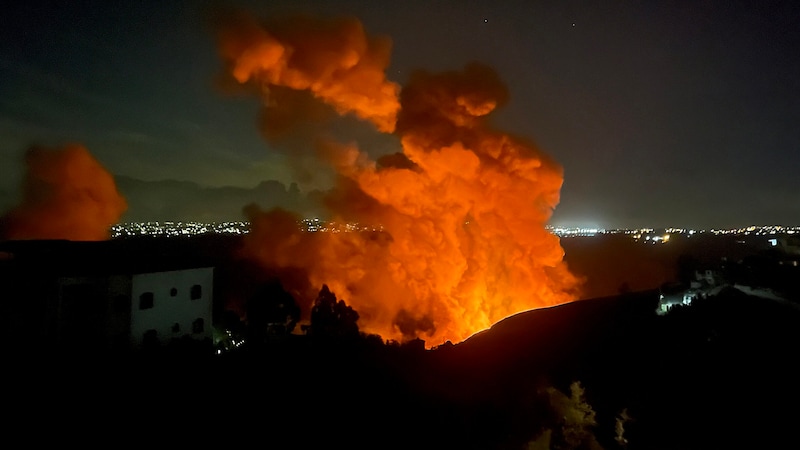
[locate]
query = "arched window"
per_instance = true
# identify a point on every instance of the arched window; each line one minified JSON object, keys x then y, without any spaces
{"x":198,"y":326}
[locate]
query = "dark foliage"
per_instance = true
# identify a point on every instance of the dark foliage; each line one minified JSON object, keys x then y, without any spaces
{"x":331,"y":318}
{"x":271,"y":311}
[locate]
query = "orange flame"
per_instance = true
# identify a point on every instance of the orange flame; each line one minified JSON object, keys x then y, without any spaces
{"x":462,"y":210}
{"x":66,"y":194}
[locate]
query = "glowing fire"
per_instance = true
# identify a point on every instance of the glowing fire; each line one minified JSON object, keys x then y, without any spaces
{"x":463,"y":208}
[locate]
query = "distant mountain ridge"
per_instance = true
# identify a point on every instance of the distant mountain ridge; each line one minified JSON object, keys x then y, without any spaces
{"x":176,"y":200}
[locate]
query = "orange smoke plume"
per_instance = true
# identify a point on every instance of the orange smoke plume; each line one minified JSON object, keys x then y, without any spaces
{"x":451,"y":234}
{"x":335,"y":60}
{"x":66,"y":194}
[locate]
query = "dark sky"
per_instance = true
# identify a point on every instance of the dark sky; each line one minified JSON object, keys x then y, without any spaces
{"x":661,"y":113}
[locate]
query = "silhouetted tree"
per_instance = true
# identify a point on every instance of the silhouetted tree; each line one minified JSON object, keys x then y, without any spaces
{"x":271,"y":310}
{"x":575,"y":421}
{"x":332,"y":318}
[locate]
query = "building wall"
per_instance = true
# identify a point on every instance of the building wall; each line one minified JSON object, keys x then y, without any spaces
{"x":93,"y":313}
{"x":171,"y":305}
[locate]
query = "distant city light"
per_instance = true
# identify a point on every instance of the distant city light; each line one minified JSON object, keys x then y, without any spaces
{"x":652,"y":235}
{"x":314,"y":225}
{"x":177,"y":229}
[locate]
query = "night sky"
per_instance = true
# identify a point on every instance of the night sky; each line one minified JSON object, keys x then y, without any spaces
{"x":661,"y":113}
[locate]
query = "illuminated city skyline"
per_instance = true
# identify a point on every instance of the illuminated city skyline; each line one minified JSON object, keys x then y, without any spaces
{"x":189,"y":228}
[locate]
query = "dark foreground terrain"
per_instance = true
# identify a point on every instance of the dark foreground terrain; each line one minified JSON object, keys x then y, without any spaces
{"x":718,"y":374}
{"x":603,"y":373}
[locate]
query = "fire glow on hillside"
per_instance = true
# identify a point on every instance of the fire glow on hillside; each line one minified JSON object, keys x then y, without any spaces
{"x":463,"y":207}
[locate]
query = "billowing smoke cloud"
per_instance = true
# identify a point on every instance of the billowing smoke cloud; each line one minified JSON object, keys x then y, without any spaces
{"x":451,"y":234}
{"x":66,"y":194}
{"x":333,"y":60}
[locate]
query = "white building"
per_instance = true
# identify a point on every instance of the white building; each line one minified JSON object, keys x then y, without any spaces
{"x":104,"y":296}
{"x":169,"y":305}
{"x":135,"y":310}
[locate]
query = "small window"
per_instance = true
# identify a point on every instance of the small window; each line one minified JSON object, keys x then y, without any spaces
{"x":146,"y":300}
{"x":173,"y":292}
{"x":197,"y":326}
{"x":197,"y":292}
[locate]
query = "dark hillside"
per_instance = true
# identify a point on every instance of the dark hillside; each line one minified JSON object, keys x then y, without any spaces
{"x":716,"y":372}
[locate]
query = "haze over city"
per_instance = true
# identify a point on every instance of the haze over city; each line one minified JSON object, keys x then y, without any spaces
{"x":659,"y":115}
